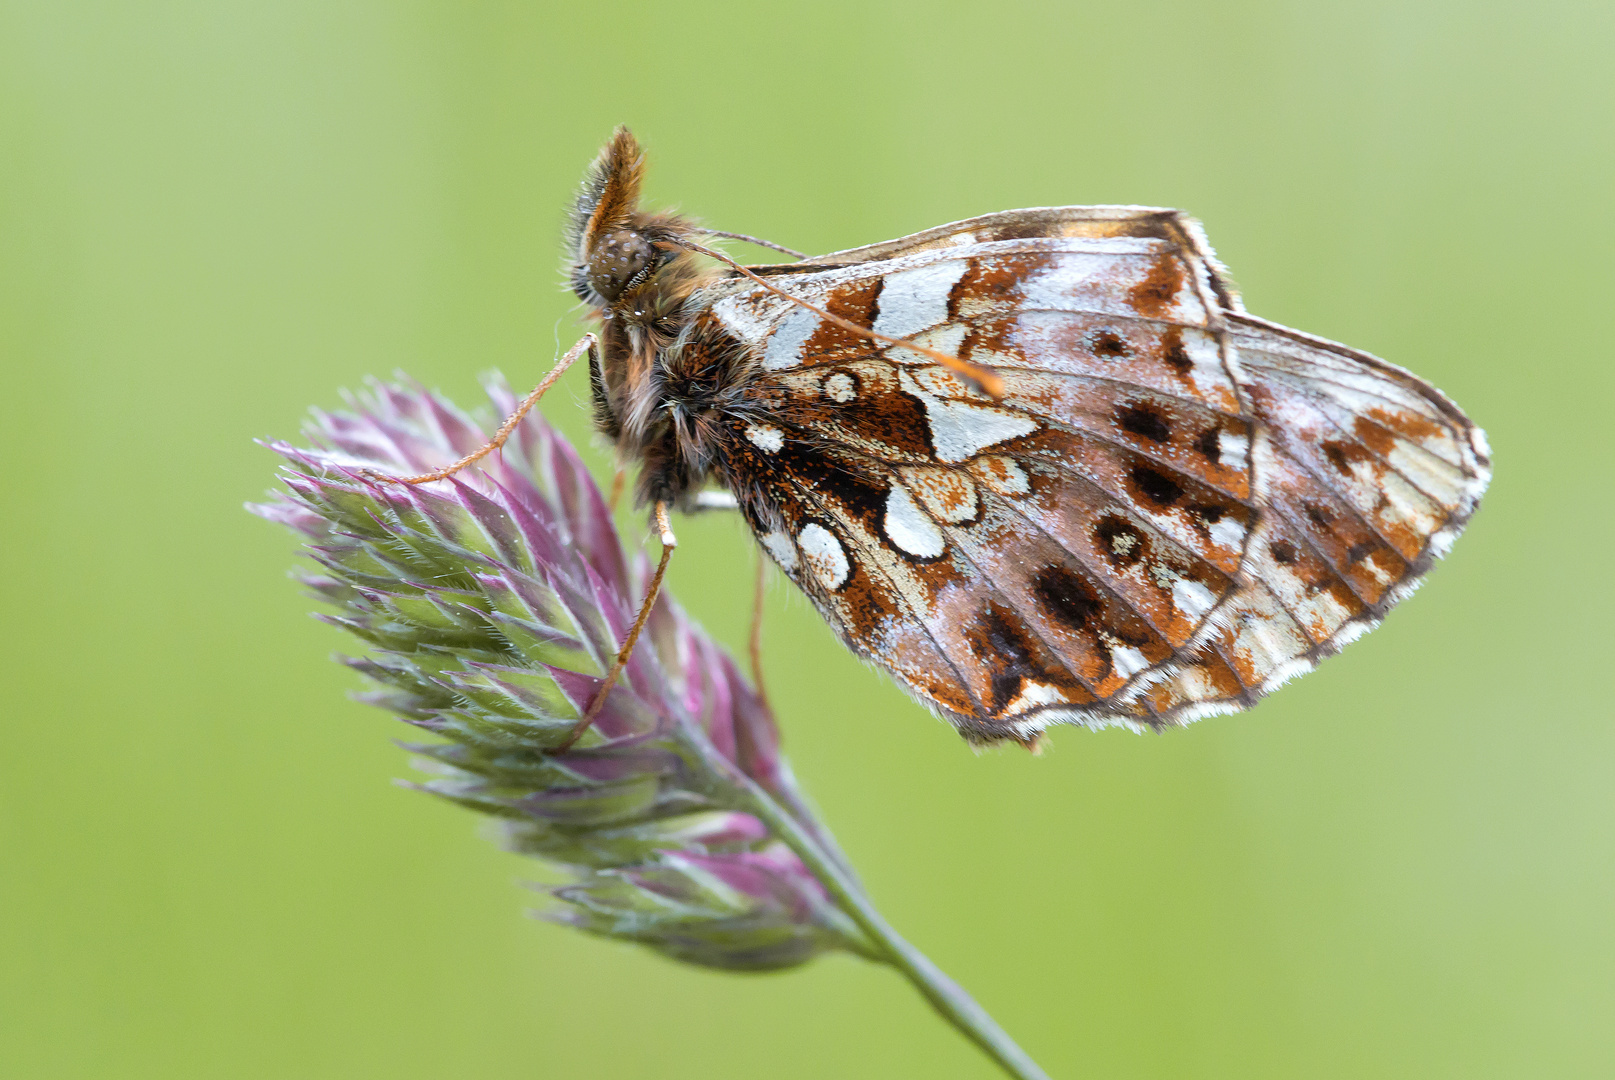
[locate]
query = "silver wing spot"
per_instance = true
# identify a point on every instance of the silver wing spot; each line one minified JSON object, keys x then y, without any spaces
{"x":824,"y":555}
{"x":779,"y":545}
{"x":915,"y":300}
{"x":784,"y":348}
{"x":765,"y":437}
{"x":908,"y":527}
{"x":961,"y":429}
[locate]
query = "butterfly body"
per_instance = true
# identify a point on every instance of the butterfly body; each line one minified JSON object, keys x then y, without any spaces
{"x":1166,"y":508}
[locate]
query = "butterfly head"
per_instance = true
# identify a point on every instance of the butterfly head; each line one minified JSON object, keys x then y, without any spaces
{"x":622,"y":260}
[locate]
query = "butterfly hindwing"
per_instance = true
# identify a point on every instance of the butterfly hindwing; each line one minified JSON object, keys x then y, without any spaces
{"x":1172,"y":506}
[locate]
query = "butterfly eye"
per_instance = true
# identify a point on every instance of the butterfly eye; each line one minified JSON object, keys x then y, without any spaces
{"x":619,"y":259}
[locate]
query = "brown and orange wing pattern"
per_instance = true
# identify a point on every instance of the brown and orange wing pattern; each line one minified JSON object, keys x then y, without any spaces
{"x":1098,"y":545}
{"x":1368,"y":475}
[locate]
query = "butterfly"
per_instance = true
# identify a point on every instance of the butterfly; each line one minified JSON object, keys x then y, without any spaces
{"x":1040,"y":466}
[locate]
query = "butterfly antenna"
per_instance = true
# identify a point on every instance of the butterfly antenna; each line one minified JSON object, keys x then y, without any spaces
{"x":755,"y":240}
{"x":985,"y":378}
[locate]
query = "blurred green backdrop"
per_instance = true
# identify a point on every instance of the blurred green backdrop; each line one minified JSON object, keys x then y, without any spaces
{"x":215,"y":214}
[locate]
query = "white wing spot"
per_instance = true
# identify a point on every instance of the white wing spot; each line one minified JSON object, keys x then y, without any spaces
{"x":1192,"y":598}
{"x":779,"y":545}
{"x":1188,"y":596}
{"x":914,"y":300}
{"x":1228,"y":532}
{"x":909,"y":528}
{"x":784,"y":347}
{"x":962,"y":429}
{"x":824,"y":555}
{"x":1034,"y":694}
{"x":1231,"y":449}
{"x":840,"y":387}
{"x":765,"y":438}
{"x":1127,"y":660}
{"x":739,"y":319}
{"x":1073,"y":281}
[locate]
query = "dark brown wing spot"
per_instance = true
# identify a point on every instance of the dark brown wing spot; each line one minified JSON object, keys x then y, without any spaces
{"x":1357,"y":552}
{"x":1208,"y":445}
{"x":1001,"y":638}
{"x":1065,"y":596}
{"x":1173,"y":352}
{"x":1143,"y":421}
{"x":1156,"y":486}
{"x":1321,"y":516}
{"x":994,"y":279}
{"x":1012,"y":655}
{"x":1152,"y":296}
{"x":1120,"y":541}
{"x":858,"y":493}
{"x":882,"y":420}
{"x":1107,"y":345}
{"x":1343,"y":454}
{"x":1283,"y":552}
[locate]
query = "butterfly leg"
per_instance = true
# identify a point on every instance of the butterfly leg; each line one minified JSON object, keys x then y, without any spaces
{"x":715,"y":500}
{"x":723,"y":500}
{"x":755,"y":643}
{"x":587,"y":345}
{"x":619,"y":478}
{"x":669,"y":542}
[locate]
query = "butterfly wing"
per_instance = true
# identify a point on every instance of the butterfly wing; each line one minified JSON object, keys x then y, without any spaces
{"x":1089,"y":547}
{"x":1368,"y":475}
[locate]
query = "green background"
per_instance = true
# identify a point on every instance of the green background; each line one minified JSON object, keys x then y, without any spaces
{"x":213,"y":215}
